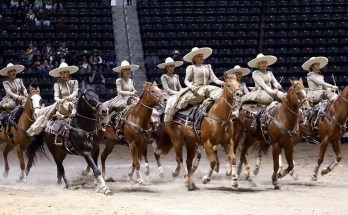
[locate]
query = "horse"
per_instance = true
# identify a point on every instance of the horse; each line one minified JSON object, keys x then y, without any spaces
{"x":136,"y":130}
{"x":282,"y":130}
{"x":215,"y":129}
{"x":331,"y":127}
{"x":80,"y":131}
{"x":20,"y":139}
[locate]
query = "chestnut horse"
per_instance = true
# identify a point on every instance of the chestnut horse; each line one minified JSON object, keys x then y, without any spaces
{"x":331,"y":127}
{"x":282,"y":130}
{"x":136,"y":130}
{"x":20,"y":138}
{"x":215,"y":129}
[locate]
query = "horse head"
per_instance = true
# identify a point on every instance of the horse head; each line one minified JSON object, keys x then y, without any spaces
{"x":35,"y":97}
{"x":232,"y":86}
{"x":152,"y":95}
{"x":297,"y":95}
{"x":89,"y":103}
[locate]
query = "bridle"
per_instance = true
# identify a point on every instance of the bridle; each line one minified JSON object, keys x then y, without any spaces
{"x":94,"y":108}
{"x":299,"y":101}
{"x":155,"y":95}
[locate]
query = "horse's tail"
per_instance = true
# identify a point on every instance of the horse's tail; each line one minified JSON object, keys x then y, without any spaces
{"x":36,"y":146}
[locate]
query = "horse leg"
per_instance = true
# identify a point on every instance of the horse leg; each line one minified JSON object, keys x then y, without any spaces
{"x":20,"y":154}
{"x":217,"y":166}
{"x":7,"y":149}
{"x":95,"y":154}
{"x":99,"y":180}
{"x":333,"y":164}
{"x":136,"y":164}
{"x":323,"y":147}
{"x":289,"y":154}
{"x":232,"y":159}
{"x":280,"y":162}
{"x":107,"y":150}
{"x":147,"y":166}
{"x":293,"y":173}
{"x":191,"y":152}
{"x":208,"y":147}
{"x":159,"y":165}
{"x":178,"y":146}
{"x":275,"y":154}
{"x":258,"y":163}
{"x":197,"y":160}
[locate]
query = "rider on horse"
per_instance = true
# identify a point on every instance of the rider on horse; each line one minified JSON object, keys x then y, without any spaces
{"x":267,"y":88}
{"x":197,"y":77}
{"x":170,"y":81}
{"x":318,"y":89}
{"x":65,"y":93}
{"x":16,"y":92}
{"x":125,"y":87}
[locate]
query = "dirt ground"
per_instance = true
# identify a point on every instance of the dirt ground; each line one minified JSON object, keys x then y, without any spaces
{"x":41,"y":195}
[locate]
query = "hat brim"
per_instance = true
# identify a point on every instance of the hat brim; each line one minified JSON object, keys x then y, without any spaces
{"x":206,"y":52}
{"x":18,"y":68}
{"x":244,"y":71}
{"x":322,"y":60}
{"x":269,"y":58}
{"x":175,"y":63}
{"x":70,"y":69}
{"x":131,"y":67}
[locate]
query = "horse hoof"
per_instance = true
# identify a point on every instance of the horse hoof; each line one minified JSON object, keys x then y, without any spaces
{"x":314,"y":178}
{"x":59,"y":182}
{"x":252,"y":183}
{"x":193,"y":170}
{"x":228,"y":172}
{"x":129,"y":179}
{"x":294,"y":176}
{"x":217,"y":168}
{"x":175,"y":174}
{"x":324,"y":171}
{"x":256,"y":171}
{"x":160,"y":172}
{"x":104,"y":189}
{"x":5,"y":174}
{"x":277,"y":185}
{"x":192,"y":186}
{"x":206,"y":179}
{"x":234,"y":184}
{"x":141,"y":182}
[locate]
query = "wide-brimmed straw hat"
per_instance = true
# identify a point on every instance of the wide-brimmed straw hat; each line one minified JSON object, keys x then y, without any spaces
{"x":170,"y":61}
{"x":237,"y":68}
{"x":125,"y":65}
{"x":260,"y":57}
{"x":9,"y":67}
{"x":322,"y":60}
{"x":206,"y":52}
{"x":63,"y":67}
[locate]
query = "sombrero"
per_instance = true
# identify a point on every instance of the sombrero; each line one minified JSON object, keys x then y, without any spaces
{"x":9,"y":67}
{"x":63,"y":67}
{"x":124,"y":65}
{"x":260,"y":57}
{"x":170,"y":61}
{"x":237,"y":68}
{"x":206,"y":52}
{"x":322,"y":60}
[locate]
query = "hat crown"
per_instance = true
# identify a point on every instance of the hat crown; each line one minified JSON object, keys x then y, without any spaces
{"x":312,"y":58}
{"x":169,"y":60}
{"x":236,"y":67}
{"x":194,"y":49}
{"x":260,"y":55}
{"x":62,"y":65}
{"x":124,"y":63}
{"x":10,"y":64}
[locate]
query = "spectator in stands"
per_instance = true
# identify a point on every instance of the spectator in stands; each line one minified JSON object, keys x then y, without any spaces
{"x":30,"y":18}
{"x":109,"y":59}
{"x":48,"y":4}
{"x":177,"y":55}
{"x":96,"y":61}
{"x":60,"y":25}
{"x":96,"y":80}
{"x":61,"y":57}
{"x":58,"y":5}
{"x":45,"y":68}
{"x":151,"y":61}
{"x":14,"y":3}
{"x":129,"y":2}
{"x":41,"y":18}
{"x":30,"y":52}
{"x":37,"y":60}
{"x":50,"y":57}
{"x":63,"y":49}
{"x":46,"y":49}
{"x":26,"y":5}
{"x":2,"y":26}
{"x":38,"y":4}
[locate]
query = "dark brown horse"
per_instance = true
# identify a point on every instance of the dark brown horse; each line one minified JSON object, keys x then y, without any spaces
{"x":82,"y":129}
{"x":282,"y":130}
{"x":331,"y":127}
{"x":136,"y":129}
{"x":20,"y":138}
{"x":215,"y":129}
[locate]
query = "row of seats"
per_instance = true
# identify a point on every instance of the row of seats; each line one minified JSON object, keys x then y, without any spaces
{"x":70,"y":11}
{"x":207,"y":3}
{"x":180,"y":18}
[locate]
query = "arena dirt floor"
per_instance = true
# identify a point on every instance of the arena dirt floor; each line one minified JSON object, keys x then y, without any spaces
{"x":41,"y":195}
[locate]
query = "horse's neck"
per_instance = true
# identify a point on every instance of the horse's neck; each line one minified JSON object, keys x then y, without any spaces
{"x":290,"y":112}
{"x":222,"y":107}
{"x":142,"y":114}
{"x":340,"y":110}
{"x":26,"y":116}
{"x":81,"y":121}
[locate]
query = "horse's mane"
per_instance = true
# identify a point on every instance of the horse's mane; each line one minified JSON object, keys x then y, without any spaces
{"x":145,"y":85}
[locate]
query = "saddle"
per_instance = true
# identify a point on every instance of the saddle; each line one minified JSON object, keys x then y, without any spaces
{"x":315,"y":114}
{"x":194,"y":115}
{"x":10,"y":119}
{"x":117,"y":123}
{"x":60,"y":128}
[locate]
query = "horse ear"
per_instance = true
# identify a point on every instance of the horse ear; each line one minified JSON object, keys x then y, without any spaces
{"x":291,"y":81}
{"x":301,"y":81}
{"x":154,"y":83}
{"x":38,"y":89}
